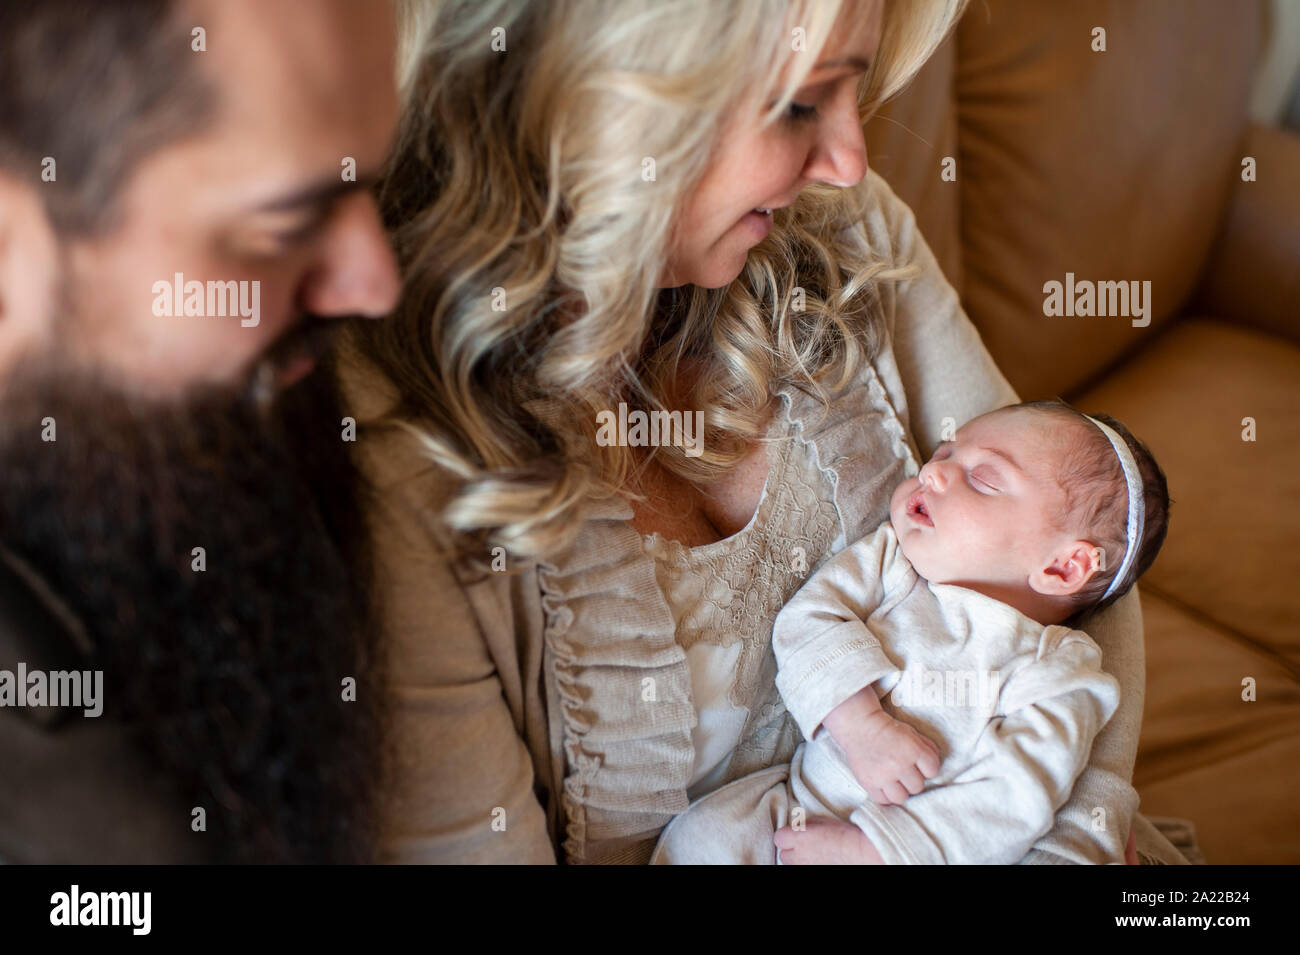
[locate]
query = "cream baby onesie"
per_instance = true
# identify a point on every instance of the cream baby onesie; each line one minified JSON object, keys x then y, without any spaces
{"x":1013,"y":707}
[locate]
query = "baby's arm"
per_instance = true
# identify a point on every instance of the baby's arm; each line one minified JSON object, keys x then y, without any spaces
{"x":828,"y":658}
{"x":1020,"y":772}
{"x":1092,"y":826}
{"x":889,"y":759}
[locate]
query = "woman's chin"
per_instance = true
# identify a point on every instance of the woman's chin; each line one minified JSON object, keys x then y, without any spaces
{"x":718,"y":267}
{"x":703,"y":278}
{"x":722,"y":272}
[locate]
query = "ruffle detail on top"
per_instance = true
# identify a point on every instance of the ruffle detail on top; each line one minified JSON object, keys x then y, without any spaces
{"x":837,"y":433}
{"x":623,"y":689}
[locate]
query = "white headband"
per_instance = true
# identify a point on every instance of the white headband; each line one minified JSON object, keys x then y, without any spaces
{"x":1136,"y":502}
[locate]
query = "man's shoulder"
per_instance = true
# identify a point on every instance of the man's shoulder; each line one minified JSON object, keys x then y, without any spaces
{"x":85,"y":793}
{"x":76,"y":788}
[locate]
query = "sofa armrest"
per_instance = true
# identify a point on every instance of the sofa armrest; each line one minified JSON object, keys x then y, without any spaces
{"x":1253,"y":273}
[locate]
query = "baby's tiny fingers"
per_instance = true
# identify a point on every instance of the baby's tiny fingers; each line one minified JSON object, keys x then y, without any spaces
{"x":929,"y":763}
{"x":896,"y":793}
{"x":911,"y":780}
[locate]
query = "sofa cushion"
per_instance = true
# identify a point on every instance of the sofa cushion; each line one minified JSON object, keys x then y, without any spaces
{"x":1231,"y":767}
{"x":1255,"y":279}
{"x":907,"y":140}
{"x":1112,"y":165}
{"x":1231,"y":556}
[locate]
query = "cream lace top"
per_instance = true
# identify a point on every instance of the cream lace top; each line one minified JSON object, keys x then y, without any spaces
{"x":724,"y":598}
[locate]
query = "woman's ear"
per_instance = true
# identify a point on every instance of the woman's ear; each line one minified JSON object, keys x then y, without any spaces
{"x":1070,"y":567}
{"x":29,"y":260}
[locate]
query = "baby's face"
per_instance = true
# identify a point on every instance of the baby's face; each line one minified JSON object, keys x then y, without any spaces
{"x":980,"y":510}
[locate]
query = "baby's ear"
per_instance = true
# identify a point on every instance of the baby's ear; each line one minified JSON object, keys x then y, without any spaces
{"x":1071,"y":567}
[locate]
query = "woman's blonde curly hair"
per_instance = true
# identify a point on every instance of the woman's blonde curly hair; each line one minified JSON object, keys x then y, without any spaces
{"x":531,"y":243}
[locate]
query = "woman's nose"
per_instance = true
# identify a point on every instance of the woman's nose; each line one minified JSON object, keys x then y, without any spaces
{"x":839,"y":157}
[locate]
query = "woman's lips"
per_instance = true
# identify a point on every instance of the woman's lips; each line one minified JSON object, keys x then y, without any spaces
{"x":758,"y":223}
{"x":917,"y":510}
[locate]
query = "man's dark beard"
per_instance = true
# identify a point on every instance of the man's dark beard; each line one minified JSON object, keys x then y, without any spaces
{"x":232,"y":677}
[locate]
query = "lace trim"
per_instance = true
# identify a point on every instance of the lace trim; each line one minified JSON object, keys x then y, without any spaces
{"x":848,"y":460}
{"x":730,"y":592}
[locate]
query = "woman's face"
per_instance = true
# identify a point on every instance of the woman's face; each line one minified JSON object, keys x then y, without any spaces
{"x":754,"y":168}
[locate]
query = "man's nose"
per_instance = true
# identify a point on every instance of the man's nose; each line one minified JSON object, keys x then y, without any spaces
{"x":356,"y":272}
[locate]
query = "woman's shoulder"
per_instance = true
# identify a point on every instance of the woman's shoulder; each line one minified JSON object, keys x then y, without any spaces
{"x":404,"y":491}
{"x":880,"y":218}
{"x":397,"y":463}
{"x":391,"y":456}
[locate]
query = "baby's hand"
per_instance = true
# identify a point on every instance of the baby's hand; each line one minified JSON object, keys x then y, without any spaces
{"x":825,"y":842}
{"x":889,"y":759}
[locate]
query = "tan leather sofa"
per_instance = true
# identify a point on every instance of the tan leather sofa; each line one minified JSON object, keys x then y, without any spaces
{"x":1127,"y":165}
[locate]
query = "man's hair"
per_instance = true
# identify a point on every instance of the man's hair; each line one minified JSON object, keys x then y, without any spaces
{"x":1097,"y":500}
{"x":95,"y":85}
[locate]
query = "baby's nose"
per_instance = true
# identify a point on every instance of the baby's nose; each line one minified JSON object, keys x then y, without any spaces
{"x":932,"y":477}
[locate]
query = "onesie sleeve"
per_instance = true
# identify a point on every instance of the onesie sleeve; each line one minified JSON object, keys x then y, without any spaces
{"x":824,"y":650}
{"x":1022,"y":769}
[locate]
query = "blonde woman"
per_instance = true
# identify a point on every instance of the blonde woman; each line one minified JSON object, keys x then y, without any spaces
{"x":611,"y":210}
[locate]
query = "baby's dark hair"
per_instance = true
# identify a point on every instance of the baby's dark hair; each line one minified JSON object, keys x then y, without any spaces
{"x":1097,"y":499}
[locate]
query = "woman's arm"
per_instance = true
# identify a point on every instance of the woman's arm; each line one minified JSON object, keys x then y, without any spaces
{"x":939,"y":369}
{"x":942,"y":370}
{"x":1094,"y":825}
{"x":460,"y":786}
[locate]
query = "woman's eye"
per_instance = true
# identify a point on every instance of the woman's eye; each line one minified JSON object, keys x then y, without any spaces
{"x":800,"y":112}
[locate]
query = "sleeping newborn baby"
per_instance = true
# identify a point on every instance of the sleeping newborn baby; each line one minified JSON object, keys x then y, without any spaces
{"x":946,"y":704}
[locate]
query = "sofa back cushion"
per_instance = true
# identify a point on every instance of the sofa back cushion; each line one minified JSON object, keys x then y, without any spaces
{"x":1112,"y":166}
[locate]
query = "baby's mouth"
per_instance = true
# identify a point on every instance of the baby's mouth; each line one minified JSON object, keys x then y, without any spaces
{"x":917,"y":510}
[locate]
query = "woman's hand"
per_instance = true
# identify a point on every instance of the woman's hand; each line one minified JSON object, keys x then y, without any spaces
{"x":825,"y":842}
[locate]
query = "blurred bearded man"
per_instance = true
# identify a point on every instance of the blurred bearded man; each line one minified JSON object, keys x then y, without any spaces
{"x":177,"y":226}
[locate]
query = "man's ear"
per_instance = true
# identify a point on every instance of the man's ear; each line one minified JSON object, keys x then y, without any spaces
{"x":29,"y":262}
{"x":1072,"y":565}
